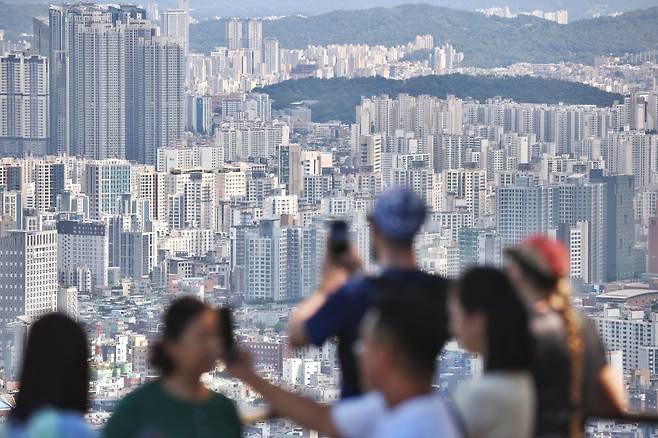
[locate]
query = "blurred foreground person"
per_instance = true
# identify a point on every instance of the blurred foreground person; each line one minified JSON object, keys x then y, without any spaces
{"x":178,"y":404}
{"x":339,"y":306}
{"x":400,"y":340}
{"x":54,"y":383}
{"x":572,"y":378}
{"x":489,"y":318}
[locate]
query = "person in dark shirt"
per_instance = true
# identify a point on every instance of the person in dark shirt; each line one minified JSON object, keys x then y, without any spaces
{"x":401,"y":336}
{"x":339,"y":306}
{"x":572,"y":378}
{"x":179,"y":404}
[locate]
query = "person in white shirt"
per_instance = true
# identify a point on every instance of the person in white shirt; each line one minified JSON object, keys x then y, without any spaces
{"x":397,"y":357}
{"x":488,"y":317}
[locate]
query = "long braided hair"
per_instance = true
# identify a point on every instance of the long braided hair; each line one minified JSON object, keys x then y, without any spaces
{"x":545,"y":262}
{"x":560,"y":301}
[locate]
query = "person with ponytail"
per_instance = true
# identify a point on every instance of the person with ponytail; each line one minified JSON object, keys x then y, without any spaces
{"x":178,"y":404}
{"x":572,"y":379}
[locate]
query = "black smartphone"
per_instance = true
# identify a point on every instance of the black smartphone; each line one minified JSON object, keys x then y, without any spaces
{"x":338,"y":239}
{"x":226,"y":332}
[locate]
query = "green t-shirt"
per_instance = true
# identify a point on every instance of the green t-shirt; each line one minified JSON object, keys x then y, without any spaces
{"x":151,"y":412}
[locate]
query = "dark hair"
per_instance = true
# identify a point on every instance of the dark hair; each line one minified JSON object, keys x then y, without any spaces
{"x":557,"y":291}
{"x":411,"y":320}
{"x":178,"y":316}
{"x":545,"y":282}
{"x":509,"y":341}
{"x":55,"y":368}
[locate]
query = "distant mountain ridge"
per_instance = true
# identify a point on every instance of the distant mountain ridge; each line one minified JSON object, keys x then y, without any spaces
{"x":578,"y":9}
{"x":485,"y":41}
{"x":337,"y":98}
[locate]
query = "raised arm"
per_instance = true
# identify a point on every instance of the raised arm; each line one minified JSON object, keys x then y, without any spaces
{"x":301,"y":410}
{"x":334,"y":276}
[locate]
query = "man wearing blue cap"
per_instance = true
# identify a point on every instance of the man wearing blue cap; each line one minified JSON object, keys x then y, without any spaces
{"x":339,"y":306}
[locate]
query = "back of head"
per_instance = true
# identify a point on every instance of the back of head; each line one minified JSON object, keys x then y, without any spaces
{"x":55,"y":369}
{"x":411,"y":322}
{"x":544,"y":261}
{"x":398,"y":215}
{"x":490,"y":291}
{"x":176,"y":319}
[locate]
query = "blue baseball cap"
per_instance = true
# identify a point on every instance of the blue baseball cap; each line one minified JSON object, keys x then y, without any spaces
{"x":399,"y":213}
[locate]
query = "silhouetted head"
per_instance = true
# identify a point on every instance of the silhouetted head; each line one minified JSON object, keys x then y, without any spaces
{"x":401,"y":334}
{"x":489,"y":317}
{"x":538,"y":265}
{"x":398,"y":215}
{"x":55,"y":370}
{"x":190,"y":340}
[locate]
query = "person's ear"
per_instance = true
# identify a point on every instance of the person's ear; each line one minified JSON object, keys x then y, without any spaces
{"x":479,"y":322}
{"x":169,"y":348}
{"x":386,"y":357}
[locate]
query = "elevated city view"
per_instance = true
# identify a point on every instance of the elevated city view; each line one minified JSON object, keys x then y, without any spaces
{"x":312,"y":219}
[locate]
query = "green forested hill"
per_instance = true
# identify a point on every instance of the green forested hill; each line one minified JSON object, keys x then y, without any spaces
{"x":485,"y":41}
{"x":337,"y":98}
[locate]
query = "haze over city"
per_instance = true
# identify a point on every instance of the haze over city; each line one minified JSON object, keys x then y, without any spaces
{"x":444,"y":203}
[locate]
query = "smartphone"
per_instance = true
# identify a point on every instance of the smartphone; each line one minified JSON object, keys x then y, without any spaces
{"x":226,"y":332}
{"x":338,"y":239}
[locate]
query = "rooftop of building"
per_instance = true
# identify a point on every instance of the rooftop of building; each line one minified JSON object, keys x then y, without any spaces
{"x":626,"y":294}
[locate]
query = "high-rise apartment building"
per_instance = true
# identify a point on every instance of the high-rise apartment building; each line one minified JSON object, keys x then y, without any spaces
{"x":105,"y":183}
{"x":522,"y":209}
{"x":176,"y":24}
{"x":159,"y":97}
{"x":82,"y":246}
{"x":254,"y":34}
{"x":88,"y":78}
{"x":272,"y":55}
{"x":40,"y":36}
{"x":198,"y":114}
{"x":28,"y":274}
{"x":234,"y":33}
{"x":24,"y":104}
{"x":620,"y":225}
{"x":117,"y":87}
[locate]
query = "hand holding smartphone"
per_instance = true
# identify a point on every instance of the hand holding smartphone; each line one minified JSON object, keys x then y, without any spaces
{"x":338,"y":240}
{"x":226,"y":335}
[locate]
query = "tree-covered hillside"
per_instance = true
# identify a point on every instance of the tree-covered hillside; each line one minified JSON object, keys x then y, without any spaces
{"x":485,"y":41}
{"x":337,"y":98}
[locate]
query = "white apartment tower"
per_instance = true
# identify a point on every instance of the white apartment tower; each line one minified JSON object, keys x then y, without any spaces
{"x":24,"y":95}
{"x":176,"y":24}
{"x":234,"y":34}
{"x":28,"y":274}
{"x":272,"y":55}
{"x":116,"y":86}
{"x":104,"y":183}
{"x":82,"y":245}
{"x":254,"y":34}
{"x":159,"y":97}
{"x":87,"y":81}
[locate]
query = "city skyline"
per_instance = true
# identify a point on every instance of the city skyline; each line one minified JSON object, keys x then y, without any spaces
{"x":135,"y":169}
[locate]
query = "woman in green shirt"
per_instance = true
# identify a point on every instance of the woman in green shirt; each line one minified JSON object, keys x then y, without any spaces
{"x":178,"y":404}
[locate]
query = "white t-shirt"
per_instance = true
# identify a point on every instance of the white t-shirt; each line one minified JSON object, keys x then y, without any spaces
{"x":368,"y":416}
{"x":498,"y":405}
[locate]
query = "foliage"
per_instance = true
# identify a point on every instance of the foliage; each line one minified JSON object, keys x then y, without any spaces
{"x":485,"y":41}
{"x":337,"y":98}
